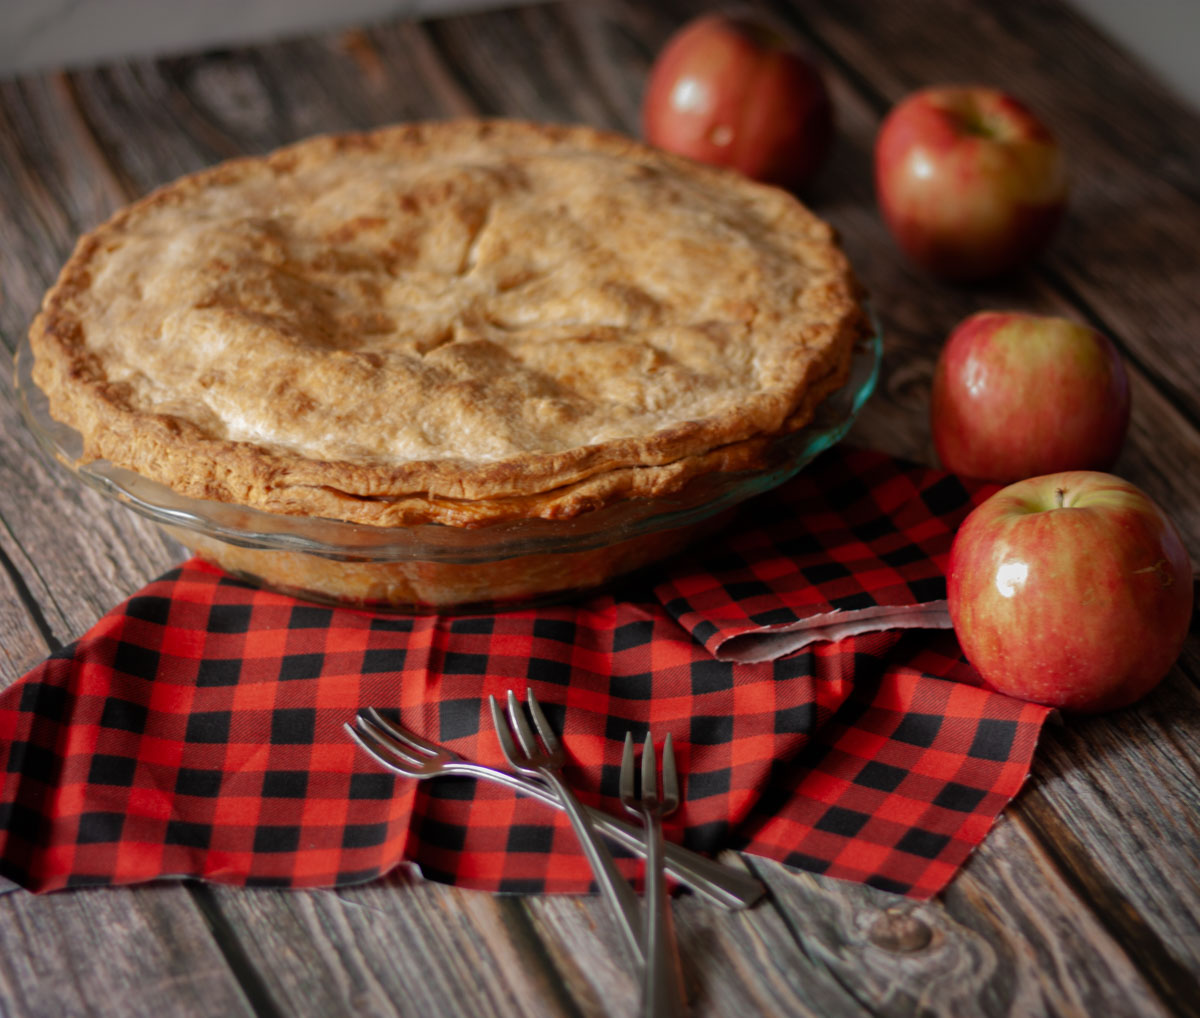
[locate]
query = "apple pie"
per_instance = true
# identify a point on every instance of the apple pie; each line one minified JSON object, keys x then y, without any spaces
{"x":459,"y":322}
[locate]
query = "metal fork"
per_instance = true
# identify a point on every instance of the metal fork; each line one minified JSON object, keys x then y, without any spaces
{"x":546,"y":762}
{"x":662,"y":993}
{"x":406,"y":753}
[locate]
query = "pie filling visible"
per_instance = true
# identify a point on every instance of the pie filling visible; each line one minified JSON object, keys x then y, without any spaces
{"x":455,"y":322}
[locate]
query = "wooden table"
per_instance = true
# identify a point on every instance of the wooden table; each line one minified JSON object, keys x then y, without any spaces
{"x":1084,"y":900}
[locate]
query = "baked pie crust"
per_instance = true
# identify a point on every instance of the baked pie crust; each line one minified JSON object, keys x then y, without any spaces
{"x":457,"y":322}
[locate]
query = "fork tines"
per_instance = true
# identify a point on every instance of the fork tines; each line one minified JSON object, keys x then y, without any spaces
{"x":670,"y":776}
{"x":650,"y":794}
{"x":519,"y":724}
{"x":411,"y":755}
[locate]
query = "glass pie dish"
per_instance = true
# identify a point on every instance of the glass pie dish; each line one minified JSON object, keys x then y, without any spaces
{"x":439,"y":568}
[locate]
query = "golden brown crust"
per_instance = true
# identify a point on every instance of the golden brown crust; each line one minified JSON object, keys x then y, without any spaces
{"x":456,"y":322}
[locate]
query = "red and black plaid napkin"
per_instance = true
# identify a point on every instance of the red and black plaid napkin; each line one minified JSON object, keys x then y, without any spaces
{"x":196,"y":730}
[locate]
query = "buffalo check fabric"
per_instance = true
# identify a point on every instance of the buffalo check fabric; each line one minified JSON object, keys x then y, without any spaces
{"x":196,"y":730}
{"x":858,"y":545}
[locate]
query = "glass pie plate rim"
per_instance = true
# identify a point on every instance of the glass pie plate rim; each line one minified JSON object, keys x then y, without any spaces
{"x":434,"y":542}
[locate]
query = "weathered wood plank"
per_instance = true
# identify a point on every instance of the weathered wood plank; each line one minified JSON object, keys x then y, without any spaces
{"x":422,"y":944}
{"x":1113,"y":801}
{"x":992,"y":945}
{"x":26,"y":634}
{"x":403,"y":946}
{"x":745,"y":962}
{"x":490,"y":56}
{"x":39,"y":222}
{"x":78,"y":554}
{"x":142,"y":952}
{"x":82,"y":556}
{"x":1064,"y":960}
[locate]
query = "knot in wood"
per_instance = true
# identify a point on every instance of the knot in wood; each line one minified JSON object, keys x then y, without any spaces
{"x":900,"y":932}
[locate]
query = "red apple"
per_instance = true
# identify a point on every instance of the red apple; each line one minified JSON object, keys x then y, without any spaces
{"x":1016,"y":395}
{"x":1072,"y":590}
{"x":734,"y":91}
{"x":969,"y":181}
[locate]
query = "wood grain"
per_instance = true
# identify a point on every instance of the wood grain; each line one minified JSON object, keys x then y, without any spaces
{"x":399,"y":947}
{"x":991,"y":946}
{"x":141,"y":952}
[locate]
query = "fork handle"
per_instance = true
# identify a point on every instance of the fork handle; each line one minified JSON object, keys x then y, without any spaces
{"x":662,"y":994}
{"x":720,"y":884}
{"x":613,"y":884}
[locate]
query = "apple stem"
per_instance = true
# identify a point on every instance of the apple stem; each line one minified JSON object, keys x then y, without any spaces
{"x":1059,"y":494}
